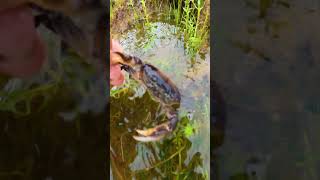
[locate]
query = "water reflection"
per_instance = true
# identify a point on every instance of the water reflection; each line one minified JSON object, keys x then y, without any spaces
{"x":218,"y":123}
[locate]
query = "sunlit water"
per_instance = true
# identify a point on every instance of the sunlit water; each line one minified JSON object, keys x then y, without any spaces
{"x":162,"y":48}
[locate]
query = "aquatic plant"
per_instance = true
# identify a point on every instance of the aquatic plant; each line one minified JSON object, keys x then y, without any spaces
{"x":173,"y":157}
{"x":170,"y":160}
{"x":20,"y":101}
{"x":189,"y":130}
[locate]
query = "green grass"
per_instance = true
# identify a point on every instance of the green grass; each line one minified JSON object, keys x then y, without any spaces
{"x":146,"y":15}
{"x":115,"y":5}
{"x":193,"y":21}
{"x":191,"y":16}
{"x":189,"y":20}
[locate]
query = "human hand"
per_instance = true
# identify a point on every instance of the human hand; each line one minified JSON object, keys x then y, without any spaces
{"x":22,"y":52}
{"x":116,"y":76}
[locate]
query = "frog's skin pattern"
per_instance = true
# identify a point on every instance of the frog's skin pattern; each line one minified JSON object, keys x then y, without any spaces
{"x":160,"y":87}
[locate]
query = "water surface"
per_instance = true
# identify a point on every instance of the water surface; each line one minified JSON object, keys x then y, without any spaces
{"x":161,"y":46}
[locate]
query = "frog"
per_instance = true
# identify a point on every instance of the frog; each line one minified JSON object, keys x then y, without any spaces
{"x":160,"y":87}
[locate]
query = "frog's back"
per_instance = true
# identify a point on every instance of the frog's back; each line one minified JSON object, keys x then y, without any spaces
{"x":160,"y":85}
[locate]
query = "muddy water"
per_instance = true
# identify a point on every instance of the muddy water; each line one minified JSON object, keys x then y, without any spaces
{"x":269,"y":70}
{"x":161,"y":47}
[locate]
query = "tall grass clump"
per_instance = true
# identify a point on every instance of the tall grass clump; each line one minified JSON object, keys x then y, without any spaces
{"x":189,"y":16}
{"x":144,"y":7}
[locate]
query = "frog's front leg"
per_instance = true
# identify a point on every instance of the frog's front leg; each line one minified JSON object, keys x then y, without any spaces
{"x":160,"y":131}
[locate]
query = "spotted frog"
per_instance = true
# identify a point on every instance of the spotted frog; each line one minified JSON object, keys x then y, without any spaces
{"x":160,"y":87}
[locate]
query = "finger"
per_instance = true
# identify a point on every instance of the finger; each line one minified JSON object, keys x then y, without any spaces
{"x":115,"y":46}
{"x":22,"y":50}
{"x":116,"y":76}
{"x":16,"y":32}
{"x":26,"y":66}
{"x":115,"y":58}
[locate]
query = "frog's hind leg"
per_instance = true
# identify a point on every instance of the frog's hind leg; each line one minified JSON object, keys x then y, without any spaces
{"x":158,"y":132}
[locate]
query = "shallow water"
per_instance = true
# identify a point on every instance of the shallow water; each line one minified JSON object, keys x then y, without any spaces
{"x":63,"y":134}
{"x":164,"y":49}
{"x":269,"y":70}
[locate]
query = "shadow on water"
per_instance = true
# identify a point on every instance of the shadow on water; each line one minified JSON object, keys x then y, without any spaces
{"x":218,"y":123}
{"x":185,"y":153}
{"x":269,"y":72}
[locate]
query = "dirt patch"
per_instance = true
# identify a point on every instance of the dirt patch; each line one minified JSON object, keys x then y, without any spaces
{"x":122,"y":18}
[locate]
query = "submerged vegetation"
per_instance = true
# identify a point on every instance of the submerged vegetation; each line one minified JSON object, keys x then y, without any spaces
{"x":23,"y":97}
{"x":46,"y":117}
{"x":166,"y":159}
